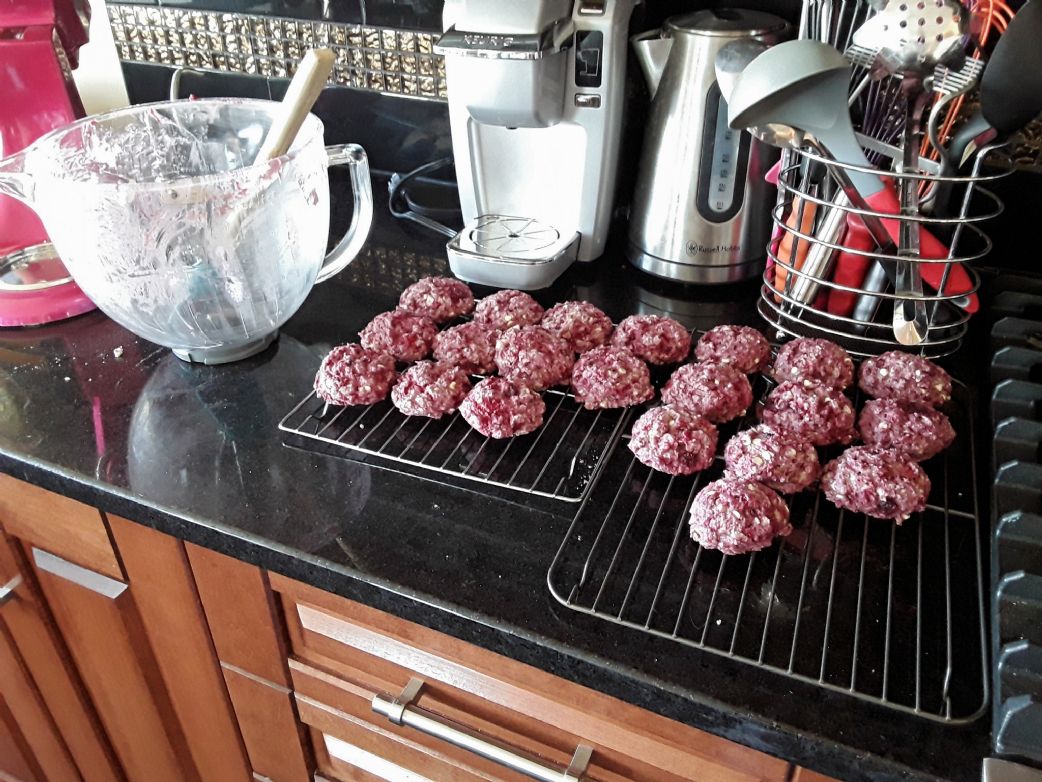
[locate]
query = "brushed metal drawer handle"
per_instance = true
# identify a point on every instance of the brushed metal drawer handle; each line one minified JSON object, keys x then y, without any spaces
{"x":88,"y":579}
{"x":7,"y":591}
{"x":401,"y":711}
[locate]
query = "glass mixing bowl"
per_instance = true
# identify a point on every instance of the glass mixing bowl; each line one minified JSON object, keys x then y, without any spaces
{"x":163,"y":220}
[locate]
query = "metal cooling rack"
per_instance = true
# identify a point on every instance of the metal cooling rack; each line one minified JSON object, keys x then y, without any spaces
{"x":889,"y":614}
{"x":559,"y":460}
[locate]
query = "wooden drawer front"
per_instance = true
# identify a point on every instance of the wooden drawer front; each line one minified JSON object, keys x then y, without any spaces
{"x":269,"y":727}
{"x":345,"y":762}
{"x":245,"y":626}
{"x":342,"y":710}
{"x":348,"y":748}
{"x":806,"y":775}
{"x":73,"y":531}
{"x":173,"y":620}
{"x":513,"y":703}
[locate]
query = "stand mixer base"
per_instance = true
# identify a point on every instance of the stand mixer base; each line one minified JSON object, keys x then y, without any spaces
{"x":226,"y":355}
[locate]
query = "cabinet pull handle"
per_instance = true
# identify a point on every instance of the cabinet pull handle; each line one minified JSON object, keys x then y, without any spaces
{"x":88,"y":579}
{"x":7,"y":591}
{"x":401,"y":711}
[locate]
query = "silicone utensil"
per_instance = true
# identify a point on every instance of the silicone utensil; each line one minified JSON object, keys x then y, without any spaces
{"x":730,"y":61}
{"x":308,"y":82}
{"x":930,"y":248}
{"x":798,"y":89}
{"x":910,"y":40}
{"x":792,"y":249}
{"x":1010,"y":88}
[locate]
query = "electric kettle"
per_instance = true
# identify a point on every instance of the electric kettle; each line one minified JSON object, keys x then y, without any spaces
{"x":701,"y":210}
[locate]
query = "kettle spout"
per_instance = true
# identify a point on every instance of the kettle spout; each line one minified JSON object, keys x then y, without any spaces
{"x":652,"y":51}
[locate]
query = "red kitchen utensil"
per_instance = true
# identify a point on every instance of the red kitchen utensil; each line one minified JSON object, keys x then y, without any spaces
{"x":792,"y":249}
{"x":852,"y":268}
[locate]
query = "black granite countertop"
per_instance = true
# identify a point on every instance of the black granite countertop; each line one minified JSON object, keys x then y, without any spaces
{"x":89,"y":410}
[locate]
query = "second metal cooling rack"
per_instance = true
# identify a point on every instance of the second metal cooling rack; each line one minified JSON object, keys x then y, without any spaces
{"x":559,"y":460}
{"x":889,"y":614}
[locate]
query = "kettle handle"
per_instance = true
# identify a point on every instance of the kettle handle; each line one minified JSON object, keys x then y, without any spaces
{"x":347,"y":249}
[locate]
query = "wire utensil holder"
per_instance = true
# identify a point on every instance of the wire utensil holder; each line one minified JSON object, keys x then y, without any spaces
{"x":803,"y":294}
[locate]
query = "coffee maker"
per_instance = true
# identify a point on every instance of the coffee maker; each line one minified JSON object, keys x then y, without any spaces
{"x":535,"y":107}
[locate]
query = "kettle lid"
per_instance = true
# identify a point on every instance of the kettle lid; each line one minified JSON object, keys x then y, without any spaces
{"x":726,"y":22}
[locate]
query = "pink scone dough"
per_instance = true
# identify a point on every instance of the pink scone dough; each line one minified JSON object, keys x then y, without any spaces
{"x":717,"y":391}
{"x":810,"y":411}
{"x":405,"y":336}
{"x":738,"y":517}
{"x":497,"y":408}
{"x":505,"y":309}
{"x":672,"y":441}
{"x":430,"y":389}
{"x":653,"y":338}
{"x":579,"y":323}
{"x":785,"y":463}
{"x":814,"y":360}
{"x":353,"y":375}
{"x":906,"y":378}
{"x":439,"y":298}
{"x":879,"y":483}
{"x":469,"y":345}
{"x":743,"y":347}
{"x":917,"y":432}
{"x":608,"y":377}
{"x":531,"y":356}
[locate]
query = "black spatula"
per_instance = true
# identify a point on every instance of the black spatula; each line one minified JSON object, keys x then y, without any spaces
{"x":1010,"y":88}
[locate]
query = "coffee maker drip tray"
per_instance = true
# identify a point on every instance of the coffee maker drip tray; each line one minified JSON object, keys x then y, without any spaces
{"x":511,"y":252}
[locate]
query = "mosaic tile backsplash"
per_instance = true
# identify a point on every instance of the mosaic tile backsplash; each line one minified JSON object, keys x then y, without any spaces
{"x":386,"y":60}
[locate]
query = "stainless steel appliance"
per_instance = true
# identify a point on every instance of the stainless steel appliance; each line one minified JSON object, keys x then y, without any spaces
{"x":535,"y":106}
{"x":701,"y":209}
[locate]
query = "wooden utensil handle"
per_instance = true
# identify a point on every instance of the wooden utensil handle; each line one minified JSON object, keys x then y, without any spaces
{"x":309,"y":80}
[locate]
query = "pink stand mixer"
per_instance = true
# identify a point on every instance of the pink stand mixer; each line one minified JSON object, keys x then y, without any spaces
{"x":39,"y":46}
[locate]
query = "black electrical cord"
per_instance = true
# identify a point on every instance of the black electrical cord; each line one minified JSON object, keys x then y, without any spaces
{"x":397,"y":186}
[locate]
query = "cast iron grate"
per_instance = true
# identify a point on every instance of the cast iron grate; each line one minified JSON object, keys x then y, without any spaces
{"x":559,"y":460}
{"x":893,"y":615}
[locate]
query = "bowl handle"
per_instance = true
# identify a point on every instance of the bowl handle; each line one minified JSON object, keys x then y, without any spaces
{"x":348,"y":248}
{"x":13,"y":179}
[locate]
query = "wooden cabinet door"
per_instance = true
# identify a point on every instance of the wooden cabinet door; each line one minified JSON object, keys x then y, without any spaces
{"x":16,"y":761}
{"x":31,"y":717}
{"x":165,"y":595}
{"x":137,"y":635}
{"x":104,"y":632}
{"x":41,"y":686}
{"x":248,"y":637}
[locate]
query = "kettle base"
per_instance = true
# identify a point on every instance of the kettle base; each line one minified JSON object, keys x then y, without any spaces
{"x":699,"y":274}
{"x":225,"y":355}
